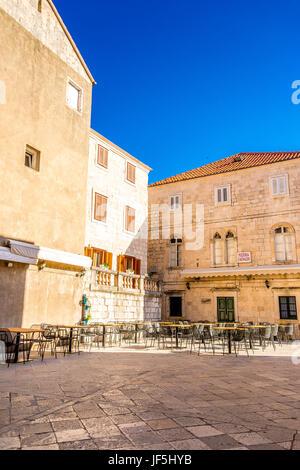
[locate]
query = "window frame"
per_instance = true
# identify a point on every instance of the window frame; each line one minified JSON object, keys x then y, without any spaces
{"x":178,"y":243}
{"x":276,"y":177}
{"x":289,"y":233}
{"x":94,"y":208}
{"x":288,"y":297}
{"x":36,"y":156}
{"x":217,"y":189}
{"x":99,"y":165}
{"x":126,"y":173}
{"x":79,"y":109}
{"x":175,"y":208}
{"x":125,"y":220}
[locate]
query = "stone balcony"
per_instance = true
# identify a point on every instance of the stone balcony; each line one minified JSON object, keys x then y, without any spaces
{"x":114,"y":281}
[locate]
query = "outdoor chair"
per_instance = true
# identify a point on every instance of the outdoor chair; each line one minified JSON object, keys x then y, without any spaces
{"x":239,"y":338}
{"x":126,"y":333}
{"x":45,"y":339}
{"x":164,"y":334}
{"x":12,"y":348}
{"x":92,"y":336}
{"x":198,"y":337}
{"x":62,"y":341}
{"x":151,"y":335}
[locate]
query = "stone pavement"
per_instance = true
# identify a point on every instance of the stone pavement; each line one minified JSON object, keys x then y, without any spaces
{"x":151,"y":400}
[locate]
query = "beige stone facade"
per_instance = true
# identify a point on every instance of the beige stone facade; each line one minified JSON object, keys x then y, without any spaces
{"x":43,"y":164}
{"x":253,"y":225}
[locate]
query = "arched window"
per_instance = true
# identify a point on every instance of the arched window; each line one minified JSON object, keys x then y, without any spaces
{"x":230,"y":249}
{"x":218,"y":251}
{"x":283,"y":244}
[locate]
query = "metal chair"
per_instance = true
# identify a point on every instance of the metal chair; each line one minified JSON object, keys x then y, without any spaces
{"x":14,"y":347}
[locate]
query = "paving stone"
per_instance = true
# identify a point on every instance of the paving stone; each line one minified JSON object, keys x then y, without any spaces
{"x":7,"y":443}
{"x":38,"y":440}
{"x":203,"y":431}
{"x":176,"y":434}
{"x":162,"y":424}
{"x":250,"y":438}
{"x":78,"y":445}
{"x":189,"y":421}
{"x":71,"y":435}
{"x":112,"y":442}
{"x":145,"y":438}
{"x":67,"y":425}
{"x":190,"y":444}
{"x":220,"y":442}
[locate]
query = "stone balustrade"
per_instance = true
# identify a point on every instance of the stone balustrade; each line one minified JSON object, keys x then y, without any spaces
{"x":104,"y":279}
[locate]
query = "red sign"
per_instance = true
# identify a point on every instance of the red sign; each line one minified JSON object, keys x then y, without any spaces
{"x":245,"y":257}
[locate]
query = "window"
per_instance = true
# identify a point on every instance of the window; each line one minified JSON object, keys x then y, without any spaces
{"x":288,"y":308}
{"x":218,"y":249}
{"x":32,"y":158}
{"x":175,"y":252}
{"x":129,"y":219}
{"x":279,"y":185}
{"x":283,"y":244}
{"x":130,"y":173}
{"x":126,"y":263}
{"x":175,"y":306}
{"x":100,"y":208}
{"x":102,"y":156}
{"x":99,"y":257}
{"x":175,"y":202}
{"x":223,"y":195}
{"x":230,"y":249}
{"x":74,"y":96}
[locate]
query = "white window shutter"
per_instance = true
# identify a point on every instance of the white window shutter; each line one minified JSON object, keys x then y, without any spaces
{"x":230,"y":246}
{"x":173,"y":256}
{"x":280,"y":247}
{"x":73,"y":95}
{"x":218,"y":251}
{"x":282,"y":185}
{"x":289,"y":247}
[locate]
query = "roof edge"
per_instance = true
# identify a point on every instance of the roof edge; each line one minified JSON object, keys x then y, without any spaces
{"x":72,"y":42}
{"x":97,"y":134}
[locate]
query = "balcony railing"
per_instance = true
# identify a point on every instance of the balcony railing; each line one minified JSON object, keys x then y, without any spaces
{"x":103,"y":279}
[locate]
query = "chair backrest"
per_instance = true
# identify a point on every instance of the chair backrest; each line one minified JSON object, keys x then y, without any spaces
{"x":275,"y":329}
{"x":291,"y":330}
{"x":267,"y":332}
{"x":6,"y":337}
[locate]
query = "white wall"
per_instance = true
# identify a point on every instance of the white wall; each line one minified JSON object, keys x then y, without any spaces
{"x":111,"y":183}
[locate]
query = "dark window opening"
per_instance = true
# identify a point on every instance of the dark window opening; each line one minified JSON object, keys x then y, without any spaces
{"x":175,"y":306}
{"x":288,"y":308}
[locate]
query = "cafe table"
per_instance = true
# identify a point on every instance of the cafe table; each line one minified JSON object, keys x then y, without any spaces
{"x":72,"y":328}
{"x":18,"y":332}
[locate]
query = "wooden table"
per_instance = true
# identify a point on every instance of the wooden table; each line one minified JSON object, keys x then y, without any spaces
{"x":18,"y":332}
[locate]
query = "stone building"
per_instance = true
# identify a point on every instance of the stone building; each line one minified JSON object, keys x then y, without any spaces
{"x":224,"y":239}
{"x":45,"y":110}
{"x":117,"y":235}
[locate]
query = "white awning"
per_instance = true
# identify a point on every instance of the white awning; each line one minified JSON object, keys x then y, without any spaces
{"x":241,"y":271}
{"x":7,"y":255}
{"x":48,"y":254}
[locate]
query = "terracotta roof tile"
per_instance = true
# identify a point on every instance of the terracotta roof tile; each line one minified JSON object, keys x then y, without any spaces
{"x":234,"y":163}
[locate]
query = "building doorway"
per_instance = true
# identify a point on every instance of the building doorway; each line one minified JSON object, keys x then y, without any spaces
{"x":226,"y":309}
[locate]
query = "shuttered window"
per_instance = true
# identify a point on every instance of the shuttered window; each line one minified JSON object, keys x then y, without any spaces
{"x":100,"y":208}
{"x":99,"y":257}
{"x":129,"y":262}
{"x":223,"y":195}
{"x":218,"y":249}
{"x":175,"y":202}
{"x":230,"y":249}
{"x":131,"y":173}
{"x":129,"y":219}
{"x":102,"y":156}
{"x":283,"y":244}
{"x":279,"y":185}
{"x":74,"y":97}
{"x":175,"y":253}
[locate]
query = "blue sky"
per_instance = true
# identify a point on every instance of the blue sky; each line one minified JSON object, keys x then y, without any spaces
{"x":181,"y":84}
